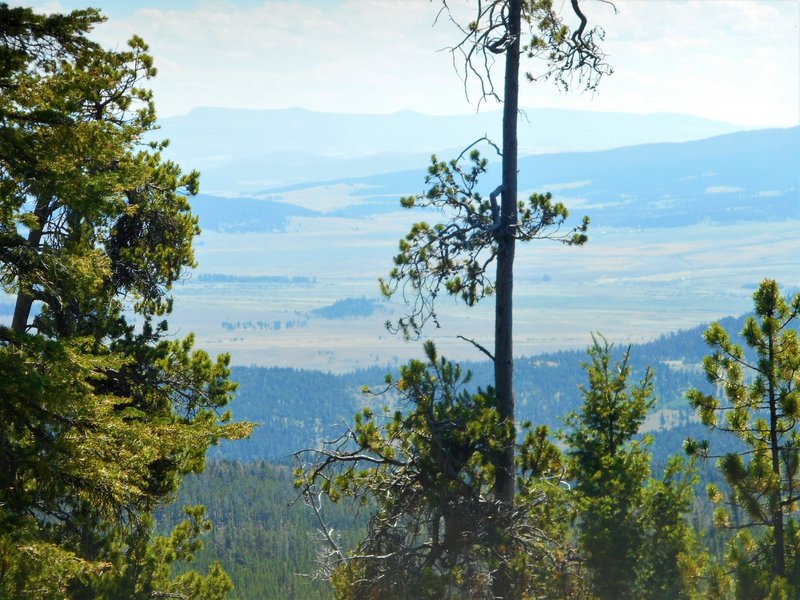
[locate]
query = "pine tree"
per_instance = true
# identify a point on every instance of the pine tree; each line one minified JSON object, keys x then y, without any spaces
{"x":610,"y":467}
{"x":101,"y":415}
{"x":631,"y":527}
{"x":426,"y":475}
{"x":760,"y":403}
{"x":455,"y":257}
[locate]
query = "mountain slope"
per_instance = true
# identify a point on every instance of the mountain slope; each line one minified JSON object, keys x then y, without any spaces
{"x":298,"y":408}
{"x":246,"y":150}
{"x":743,"y":176}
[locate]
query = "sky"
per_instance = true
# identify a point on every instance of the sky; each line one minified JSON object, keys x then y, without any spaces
{"x":732,"y":60}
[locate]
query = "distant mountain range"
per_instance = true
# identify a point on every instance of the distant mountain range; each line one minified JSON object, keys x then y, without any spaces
{"x":680,"y":233}
{"x":737,"y":177}
{"x":243,"y":151}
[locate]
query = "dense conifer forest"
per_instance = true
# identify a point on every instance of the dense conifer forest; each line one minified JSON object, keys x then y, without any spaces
{"x":296,"y":408}
{"x":267,"y":539}
{"x":266,"y":545}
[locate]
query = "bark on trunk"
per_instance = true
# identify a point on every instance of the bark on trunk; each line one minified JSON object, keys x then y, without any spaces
{"x":503,"y":355}
{"x":776,"y":502}
{"x":22,"y":307}
{"x":24,"y":302}
{"x":22,"y":312}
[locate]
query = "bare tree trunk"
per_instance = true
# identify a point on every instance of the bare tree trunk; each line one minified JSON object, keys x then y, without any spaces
{"x":24,"y":302}
{"x":504,"y":360}
{"x":505,"y":468}
{"x":22,"y":311}
{"x":776,"y":501}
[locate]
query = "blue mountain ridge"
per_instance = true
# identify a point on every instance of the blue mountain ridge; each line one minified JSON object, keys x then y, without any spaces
{"x":242,"y":151}
{"x":737,"y":177}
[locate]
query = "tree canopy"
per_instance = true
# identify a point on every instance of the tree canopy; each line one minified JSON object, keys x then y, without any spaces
{"x":425,"y":472}
{"x":101,"y":414}
{"x":634,"y":539}
{"x":758,"y":401}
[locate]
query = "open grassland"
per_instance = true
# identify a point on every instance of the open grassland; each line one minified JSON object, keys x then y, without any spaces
{"x":629,"y":284}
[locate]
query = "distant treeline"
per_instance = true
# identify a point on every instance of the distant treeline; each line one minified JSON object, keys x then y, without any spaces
{"x":262,"y":538}
{"x":347,"y":307}
{"x":298,"y":408}
{"x":227,"y":278}
{"x":264,"y":325}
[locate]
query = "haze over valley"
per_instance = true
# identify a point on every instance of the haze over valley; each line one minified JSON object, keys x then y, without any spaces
{"x":682,"y":230}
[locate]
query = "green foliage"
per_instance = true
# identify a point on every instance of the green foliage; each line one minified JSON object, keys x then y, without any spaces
{"x":631,"y":527}
{"x":425,"y":475}
{"x":759,"y":404}
{"x":260,"y":537}
{"x":141,"y":565}
{"x":610,"y":468}
{"x":671,"y":561}
{"x":567,"y":55}
{"x":101,"y":417}
{"x":455,"y":256}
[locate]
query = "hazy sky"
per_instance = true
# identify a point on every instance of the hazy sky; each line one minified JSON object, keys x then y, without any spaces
{"x":734,"y":60}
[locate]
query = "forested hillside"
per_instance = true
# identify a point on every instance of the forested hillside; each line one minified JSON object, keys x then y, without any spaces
{"x":298,"y":409}
{"x":665,"y":470}
{"x":263,"y":541}
{"x":265,"y":537}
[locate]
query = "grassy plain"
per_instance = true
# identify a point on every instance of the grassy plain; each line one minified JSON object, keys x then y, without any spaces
{"x":630,"y":284}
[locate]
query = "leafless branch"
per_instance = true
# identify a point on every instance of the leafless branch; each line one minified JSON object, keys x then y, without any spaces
{"x":478,"y":346}
{"x":484,"y":138}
